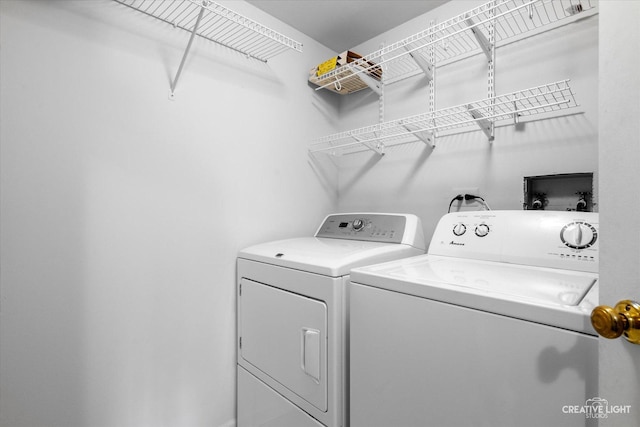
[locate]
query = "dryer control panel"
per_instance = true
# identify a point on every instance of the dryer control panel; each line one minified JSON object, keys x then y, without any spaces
{"x":372,"y":227}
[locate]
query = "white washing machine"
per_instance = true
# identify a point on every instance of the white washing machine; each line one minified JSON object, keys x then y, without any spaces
{"x":292,"y":317}
{"x":489,"y":328}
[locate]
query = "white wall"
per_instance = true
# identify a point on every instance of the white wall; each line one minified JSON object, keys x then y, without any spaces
{"x":122,"y":212}
{"x":413,"y":178}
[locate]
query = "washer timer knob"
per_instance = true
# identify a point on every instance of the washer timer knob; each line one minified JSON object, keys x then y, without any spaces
{"x":459,"y":229}
{"x":482,"y":230}
{"x":358,"y":224}
{"x":578,"y":235}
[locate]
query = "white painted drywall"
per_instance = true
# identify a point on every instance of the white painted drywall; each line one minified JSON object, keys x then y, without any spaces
{"x":122,"y":211}
{"x":414,"y":178}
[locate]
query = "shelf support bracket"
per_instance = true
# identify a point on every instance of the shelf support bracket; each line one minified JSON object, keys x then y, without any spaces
{"x":374,"y":85}
{"x":516,"y":114}
{"x":174,"y":83}
{"x":428,"y":138}
{"x":425,"y":65}
{"x":484,"y":43}
{"x":377,"y":147}
{"x":485,"y":125}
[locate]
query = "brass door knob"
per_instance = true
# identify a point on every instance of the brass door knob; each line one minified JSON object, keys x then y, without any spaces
{"x":623,"y":319}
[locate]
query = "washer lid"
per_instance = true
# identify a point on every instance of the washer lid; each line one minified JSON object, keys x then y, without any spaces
{"x":540,"y":285}
{"x":555,"y":297}
{"x":329,"y":257}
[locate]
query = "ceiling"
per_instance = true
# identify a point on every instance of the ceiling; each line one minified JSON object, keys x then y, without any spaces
{"x":343,"y":24}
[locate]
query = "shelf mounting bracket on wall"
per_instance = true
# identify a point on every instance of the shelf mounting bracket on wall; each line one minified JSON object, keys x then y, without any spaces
{"x":431,"y":53}
{"x":425,"y":136}
{"x":427,"y":68}
{"x":483,"y":41}
{"x":373,"y":84}
{"x":381,"y":99}
{"x":375,"y":146}
{"x":485,"y":124}
{"x":174,"y":83}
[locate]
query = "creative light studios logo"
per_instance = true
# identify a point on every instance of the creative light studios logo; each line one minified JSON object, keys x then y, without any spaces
{"x":596,"y":407}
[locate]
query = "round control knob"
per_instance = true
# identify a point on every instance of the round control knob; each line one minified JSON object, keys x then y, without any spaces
{"x":482,"y":230}
{"x":459,"y":229}
{"x":358,"y":224}
{"x":578,"y":235}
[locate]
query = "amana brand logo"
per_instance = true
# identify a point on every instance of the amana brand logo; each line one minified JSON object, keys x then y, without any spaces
{"x":456,"y":243}
{"x":596,"y":407}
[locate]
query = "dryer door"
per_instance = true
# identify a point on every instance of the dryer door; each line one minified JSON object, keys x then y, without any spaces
{"x":284,"y":335}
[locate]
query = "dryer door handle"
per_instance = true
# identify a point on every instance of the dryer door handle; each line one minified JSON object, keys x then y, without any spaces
{"x":310,"y":353}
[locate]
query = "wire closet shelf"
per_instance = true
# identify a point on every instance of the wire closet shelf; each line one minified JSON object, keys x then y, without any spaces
{"x":218,"y":24}
{"x":454,"y":38}
{"x":547,"y":98}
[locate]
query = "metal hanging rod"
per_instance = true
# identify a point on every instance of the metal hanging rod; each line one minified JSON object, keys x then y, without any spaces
{"x":219,"y":25}
{"x":537,"y":100}
{"x":454,"y":37}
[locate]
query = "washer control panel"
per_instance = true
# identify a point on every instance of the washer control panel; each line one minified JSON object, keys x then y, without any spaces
{"x":553,"y":239}
{"x":481,"y":229}
{"x":387,"y":228}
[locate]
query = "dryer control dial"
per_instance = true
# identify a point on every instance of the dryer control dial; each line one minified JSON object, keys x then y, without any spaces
{"x":579,"y":235}
{"x":482,"y":230}
{"x":358,"y":224}
{"x":459,"y":229}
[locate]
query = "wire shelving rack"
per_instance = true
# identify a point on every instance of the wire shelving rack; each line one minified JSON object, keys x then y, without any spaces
{"x":218,"y":24}
{"x":462,"y":35}
{"x":480,"y":30}
{"x":547,"y":98}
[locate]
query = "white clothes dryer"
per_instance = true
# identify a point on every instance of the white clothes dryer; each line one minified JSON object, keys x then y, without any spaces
{"x":489,"y":328}
{"x":292,"y":317}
